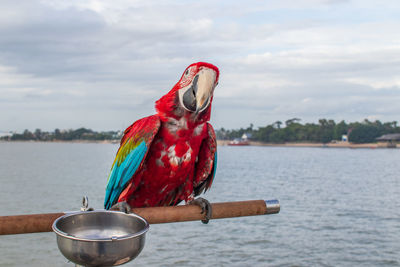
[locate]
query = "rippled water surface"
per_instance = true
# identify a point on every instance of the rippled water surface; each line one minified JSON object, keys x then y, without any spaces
{"x":339,"y":207}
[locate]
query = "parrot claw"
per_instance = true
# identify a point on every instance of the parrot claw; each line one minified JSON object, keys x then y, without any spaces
{"x":122,"y":206}
{"x":205,"y":206}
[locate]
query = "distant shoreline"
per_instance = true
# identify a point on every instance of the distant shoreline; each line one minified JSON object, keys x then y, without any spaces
{"x":301,"y":144}
{"x":64,"y":141}
{"x":224,"y":143}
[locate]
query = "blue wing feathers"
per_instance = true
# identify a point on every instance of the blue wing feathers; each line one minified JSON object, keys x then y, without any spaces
{"x":121,"y":174}
{"x":133,"y":163}
{"x":140,"y":135}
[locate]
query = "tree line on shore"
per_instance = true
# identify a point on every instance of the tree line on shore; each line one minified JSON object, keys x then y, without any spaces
{"x":324,"y":131}
{"x":64,"y":135}
{"x":291,"y":130}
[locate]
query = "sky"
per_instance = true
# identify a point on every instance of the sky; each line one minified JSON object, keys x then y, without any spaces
{"x":102,"y":64}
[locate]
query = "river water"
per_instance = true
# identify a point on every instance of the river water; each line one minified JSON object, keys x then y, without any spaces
{"x":339,"y":207}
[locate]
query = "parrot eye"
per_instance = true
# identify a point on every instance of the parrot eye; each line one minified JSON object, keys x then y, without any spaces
{"x":187,"y":72}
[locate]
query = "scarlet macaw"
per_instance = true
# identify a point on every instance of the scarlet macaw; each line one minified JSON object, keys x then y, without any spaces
{"x":171,"y":156}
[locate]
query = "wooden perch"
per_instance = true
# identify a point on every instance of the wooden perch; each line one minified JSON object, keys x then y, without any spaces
{"x":36,"y":223}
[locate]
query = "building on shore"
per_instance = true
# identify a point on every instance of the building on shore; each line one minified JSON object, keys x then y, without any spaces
{"x":388,"y":140}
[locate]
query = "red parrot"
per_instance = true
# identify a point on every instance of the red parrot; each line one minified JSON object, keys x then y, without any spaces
{"x":171,"y":156}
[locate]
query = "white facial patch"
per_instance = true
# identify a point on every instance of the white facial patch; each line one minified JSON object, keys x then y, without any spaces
{"x":205,"y":89}
{"x":181,"y":92}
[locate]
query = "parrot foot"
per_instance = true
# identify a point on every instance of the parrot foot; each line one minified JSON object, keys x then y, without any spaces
{"x":122,"y":206}
{"x":205,"y":206}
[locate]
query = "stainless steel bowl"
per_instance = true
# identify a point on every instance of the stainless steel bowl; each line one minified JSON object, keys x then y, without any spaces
{"x":100,"y":238}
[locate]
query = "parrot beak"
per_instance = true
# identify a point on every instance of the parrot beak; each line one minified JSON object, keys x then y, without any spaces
{"x":196,"y":97}
{"x":206,"y":85}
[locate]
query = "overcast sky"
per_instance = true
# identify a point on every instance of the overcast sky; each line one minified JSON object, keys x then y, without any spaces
{"x":102,"y":64}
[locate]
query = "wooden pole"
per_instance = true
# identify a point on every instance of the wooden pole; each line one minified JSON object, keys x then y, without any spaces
{"x":24,"y":224}
{"x":36,"y":223}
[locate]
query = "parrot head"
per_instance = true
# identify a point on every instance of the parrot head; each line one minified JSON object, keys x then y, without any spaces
{"x":192,"y":95}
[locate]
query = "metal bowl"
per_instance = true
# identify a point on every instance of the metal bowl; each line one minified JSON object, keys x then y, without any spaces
{"x":100,"y":238}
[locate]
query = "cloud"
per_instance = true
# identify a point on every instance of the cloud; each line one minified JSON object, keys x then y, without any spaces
{"x":102,"y":64}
